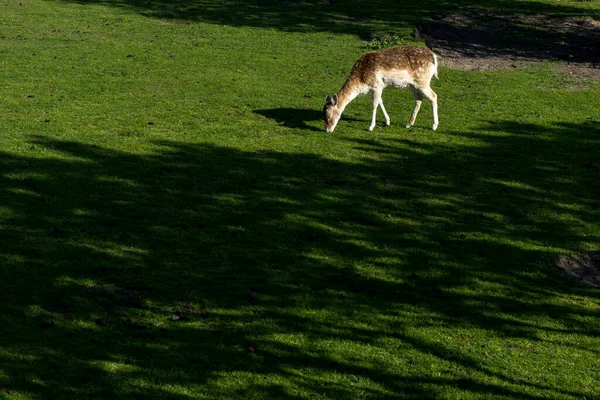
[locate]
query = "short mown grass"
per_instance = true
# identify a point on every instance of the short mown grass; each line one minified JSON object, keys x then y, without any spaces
{"x":175,"y":223}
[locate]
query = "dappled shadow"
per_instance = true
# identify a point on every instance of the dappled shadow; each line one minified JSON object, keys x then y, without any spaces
{"x":194,"y":261}
{"x":487,"y":41}
{"x":359,"y":17}
{"x":524,"y":37}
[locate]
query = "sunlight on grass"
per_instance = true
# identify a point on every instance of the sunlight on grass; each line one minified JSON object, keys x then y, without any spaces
{"x":115,"y":368}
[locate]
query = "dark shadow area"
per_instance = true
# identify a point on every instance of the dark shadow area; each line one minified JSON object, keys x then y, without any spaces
{"x":582,"y":268}
{"x":485,"y":41}
{"x":182,"y":265}
{"x":357,"y":17}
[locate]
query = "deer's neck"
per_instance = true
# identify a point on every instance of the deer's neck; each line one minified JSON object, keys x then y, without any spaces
{"x":347,"y":93}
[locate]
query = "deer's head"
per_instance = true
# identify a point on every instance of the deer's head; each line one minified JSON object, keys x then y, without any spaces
{"x":331,"y":113}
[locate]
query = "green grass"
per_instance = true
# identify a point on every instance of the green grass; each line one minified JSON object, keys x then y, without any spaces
{"x":175,"y":223}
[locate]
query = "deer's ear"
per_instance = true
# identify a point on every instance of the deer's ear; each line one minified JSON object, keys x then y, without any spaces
{"x":335,"y":99}
{"x":328,"y":100}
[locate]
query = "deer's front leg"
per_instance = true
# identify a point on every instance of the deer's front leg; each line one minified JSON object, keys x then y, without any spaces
{"x":376,"y":102}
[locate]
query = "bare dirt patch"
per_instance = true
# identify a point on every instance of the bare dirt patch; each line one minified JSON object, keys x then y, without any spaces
{"x":583,"y":268}
{"x":496,"y":41}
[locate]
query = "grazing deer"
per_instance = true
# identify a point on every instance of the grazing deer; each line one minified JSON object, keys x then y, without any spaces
{"x":398,"y":67}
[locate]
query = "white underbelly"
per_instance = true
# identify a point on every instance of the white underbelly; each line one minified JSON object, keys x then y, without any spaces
{"x":399,"y":79}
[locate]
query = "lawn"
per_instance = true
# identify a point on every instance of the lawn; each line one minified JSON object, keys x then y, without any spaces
{"x":175,"y":222}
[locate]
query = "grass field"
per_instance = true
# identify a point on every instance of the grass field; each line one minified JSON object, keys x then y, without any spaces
{"x":175,"y":223}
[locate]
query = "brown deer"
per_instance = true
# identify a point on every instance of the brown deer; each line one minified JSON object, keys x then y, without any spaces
{"x":399,"y":67}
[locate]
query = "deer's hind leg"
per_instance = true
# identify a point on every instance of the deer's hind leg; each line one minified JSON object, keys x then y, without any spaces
{"x":430,"y":94}
{"x":418,"y":101}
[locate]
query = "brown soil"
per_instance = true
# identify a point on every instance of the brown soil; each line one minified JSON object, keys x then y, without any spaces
{"x":584,"y":268}
{"x":495,"y":41}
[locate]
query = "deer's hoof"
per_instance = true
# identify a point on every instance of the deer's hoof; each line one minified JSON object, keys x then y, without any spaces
{"x":434,"y":127}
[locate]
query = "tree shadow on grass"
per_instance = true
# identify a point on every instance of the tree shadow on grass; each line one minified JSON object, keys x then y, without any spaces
{"x":508,"y":38}
{"x":166,"y":274}
{"x":358,"y":17}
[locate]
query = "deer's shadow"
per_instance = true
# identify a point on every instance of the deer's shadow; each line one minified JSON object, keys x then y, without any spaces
{"x":297,"y":118}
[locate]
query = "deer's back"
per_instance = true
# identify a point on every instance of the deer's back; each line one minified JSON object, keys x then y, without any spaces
{"x":412,"y":59}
